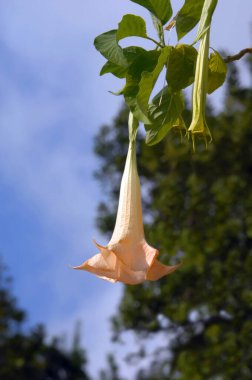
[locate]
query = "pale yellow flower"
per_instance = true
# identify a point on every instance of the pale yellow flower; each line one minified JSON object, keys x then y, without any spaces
{"x":199,"y":124}
{"x":128,"y":257}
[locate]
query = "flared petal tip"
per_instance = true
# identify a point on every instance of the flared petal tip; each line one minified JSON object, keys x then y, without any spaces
{"x":159,"y":270}
{"x":78,"y":267}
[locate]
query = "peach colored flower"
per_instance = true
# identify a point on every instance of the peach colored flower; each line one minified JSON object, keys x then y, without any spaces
{"x":128,"y":257}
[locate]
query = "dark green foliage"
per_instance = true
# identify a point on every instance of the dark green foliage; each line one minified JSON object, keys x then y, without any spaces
{"x":216,"y":73}
{"x":29,"y":356}
{"x":188,"y":16}
{"x":160,"y":8}
{"x":181,"y":67}
{"x":198,"y":209}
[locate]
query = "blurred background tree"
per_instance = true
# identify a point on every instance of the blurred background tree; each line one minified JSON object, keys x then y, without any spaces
{"x":29,"y":355}
{"x":198,"y":210}
{"x":112,"y":370}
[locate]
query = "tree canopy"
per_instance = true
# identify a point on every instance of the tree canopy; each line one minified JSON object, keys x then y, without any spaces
{"x":200,"y":213}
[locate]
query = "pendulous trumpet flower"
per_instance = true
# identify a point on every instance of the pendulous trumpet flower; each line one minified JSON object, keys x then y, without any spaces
{"x":128,"y":258}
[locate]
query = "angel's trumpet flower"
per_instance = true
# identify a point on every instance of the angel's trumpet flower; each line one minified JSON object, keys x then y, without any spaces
{"x":198,"y":125}
{"x":128,"y":257}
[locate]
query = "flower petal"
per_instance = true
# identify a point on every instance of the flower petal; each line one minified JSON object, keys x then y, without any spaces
{"x":108,"y":266}
{"x":102,"y":266}
{"x":137,"y":256}
{"x":129,"y":221}
{"x":98,"y":265}
{"x":131,"y":277}
{"x":159,"y":270}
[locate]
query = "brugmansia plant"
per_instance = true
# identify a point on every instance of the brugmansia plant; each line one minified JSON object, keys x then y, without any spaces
{"x":180,"y":66}
{"x":127,"y":257}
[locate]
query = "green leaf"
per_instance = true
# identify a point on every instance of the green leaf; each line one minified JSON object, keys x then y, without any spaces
{"x":131,"y":25}
{"x":117,"y":93}
{"x":181,"y":67}
{"x":112,"y":68}
{"x":132,"y":52}
{"x":206,"y":18}
{"x":148,"y":80}
{"x":166,"y":106}
{"x":160,"y":8}
{"x":145,"y":61}
{"x":164,"y":113}
{"x":107,"y":45}
{"x":216,"y":73}
{"x":188,"y":16}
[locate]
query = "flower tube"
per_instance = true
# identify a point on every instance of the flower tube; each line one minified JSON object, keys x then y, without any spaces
{"x":198,"y":124}
{"x":128,"y":258}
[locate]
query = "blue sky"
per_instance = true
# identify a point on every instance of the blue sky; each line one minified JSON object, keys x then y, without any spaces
{"x":52,"y":103}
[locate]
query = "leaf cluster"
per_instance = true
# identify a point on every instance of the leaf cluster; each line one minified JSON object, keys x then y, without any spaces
{"x":140,"y":68}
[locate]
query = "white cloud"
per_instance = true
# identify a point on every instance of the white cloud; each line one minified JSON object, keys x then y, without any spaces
{"x":50,"y":110}
{"x":56,"y":176}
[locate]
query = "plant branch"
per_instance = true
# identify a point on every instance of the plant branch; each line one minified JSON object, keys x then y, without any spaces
{"x":155,"y":42}
{"x":236,"y":57}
